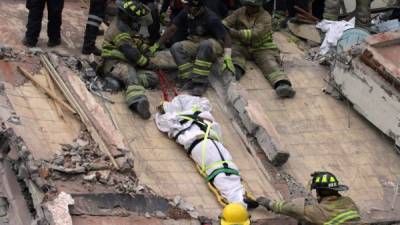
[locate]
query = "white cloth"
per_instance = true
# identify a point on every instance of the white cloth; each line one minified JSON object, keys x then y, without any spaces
{"x":334,"y":31}
{"x":230,"y":186}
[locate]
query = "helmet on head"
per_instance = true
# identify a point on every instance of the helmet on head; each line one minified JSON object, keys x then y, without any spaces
{"x":326,"y":181}
{"x":252,"y":2}
{"x":135,"y":10}
{"x":235,"y":214}
{"x":194,"y":3}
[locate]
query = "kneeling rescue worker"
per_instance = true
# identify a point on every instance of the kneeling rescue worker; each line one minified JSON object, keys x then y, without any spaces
{"x":195,"y":55}
{"x":123,"y":51}
{"x":331,"y":209}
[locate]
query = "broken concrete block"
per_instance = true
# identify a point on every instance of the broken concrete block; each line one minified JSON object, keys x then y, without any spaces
{"x":23,"y":172}
{"x":103,"y":176}
{"x":76,"y":170}
{"x":270,"y":148}
{"x":57,"y":211}
{"x":160,"y":214}
{"x":125,"y":164}
{"x":82,"y":143}
{"x":90,"y":177}
{"x":177,"y":200}
{"x":248,"y":123}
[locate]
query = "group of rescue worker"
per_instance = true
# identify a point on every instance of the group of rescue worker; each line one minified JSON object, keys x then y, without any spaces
{"x":197,"y":33}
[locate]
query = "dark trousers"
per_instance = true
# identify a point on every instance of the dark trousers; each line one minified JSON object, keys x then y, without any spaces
{"x":54,"y":11}
{"x":96,"y":16}
{"x":154,"y":28}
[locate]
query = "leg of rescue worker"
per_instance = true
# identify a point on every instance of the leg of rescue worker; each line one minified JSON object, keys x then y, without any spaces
{"x":54,"y":10}
{"x":154,"y":28}
{"x":266,"y":61}
{"x":34,"y":24}
{"x":135,"y":96}
{"x":332,"y":9}
{"x":239,"y":55}
{"x":96,"y":16}
{"x":207,"y":53}
{"x":363,"y":15}
{"x":183,"y":53}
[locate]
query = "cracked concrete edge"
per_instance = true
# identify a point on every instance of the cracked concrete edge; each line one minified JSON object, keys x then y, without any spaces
{"x":266,"y":136}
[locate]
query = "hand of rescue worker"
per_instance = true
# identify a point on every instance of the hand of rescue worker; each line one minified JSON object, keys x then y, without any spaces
{"x":228,"y":64}
{"x":154,"y":48}
{"x":266,"y":202}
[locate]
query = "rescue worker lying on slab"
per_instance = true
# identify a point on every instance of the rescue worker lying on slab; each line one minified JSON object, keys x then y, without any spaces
{"x":188,"y":121}
{"x":123,"y":53}
{"x":251,"y":30}
{"x":195,"y":55}
{"x":331,"y":209}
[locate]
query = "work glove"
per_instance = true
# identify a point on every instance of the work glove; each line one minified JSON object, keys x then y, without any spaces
{"x":154,"y":48}
{"x":228,"y":64}
{"x":266,"y":202}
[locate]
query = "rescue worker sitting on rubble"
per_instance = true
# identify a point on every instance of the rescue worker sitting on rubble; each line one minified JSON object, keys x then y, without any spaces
{"x":251,"y":30}
{"x":188,"y":120}
{"x":331,"y":209}
{"x":123,"y":51}
{"x":196,"y":55}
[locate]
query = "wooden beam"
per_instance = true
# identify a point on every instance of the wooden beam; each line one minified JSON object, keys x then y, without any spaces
{"x":50,"y":84}
{"x":46,"y":90}
{"x":99,"y":135}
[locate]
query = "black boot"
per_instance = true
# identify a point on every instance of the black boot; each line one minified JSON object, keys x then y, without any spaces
{"x":28,"y":42}
{"x":284,"y":90}
{"x":89,"y":42}
{"x":53,"y":43}
{"x":141,"y":107}
{"x":199,"y":89}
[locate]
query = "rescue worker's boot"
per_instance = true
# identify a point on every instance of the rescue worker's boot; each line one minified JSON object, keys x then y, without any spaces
{"x":142,"y":107}
{"x":250,"y":201}
{"x":54,"y":42}
{"x":284,"y":90}
{"x":137,"y":101}
{"x":29,"y":42}
{"x":89,"y":41}
{"x":199,"y":89}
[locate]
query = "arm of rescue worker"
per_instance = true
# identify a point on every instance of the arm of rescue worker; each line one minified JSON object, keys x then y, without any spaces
{"x":260,"y":28}
{"x":297,"y":209}
{"x":125,"y":44}
{"x":179,"y":21}
{"x":229,"y":23}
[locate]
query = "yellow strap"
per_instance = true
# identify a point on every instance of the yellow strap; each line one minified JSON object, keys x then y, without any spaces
{"x":343,"y":217}
{"x":203,"y":148}
{"x":217,"y":164}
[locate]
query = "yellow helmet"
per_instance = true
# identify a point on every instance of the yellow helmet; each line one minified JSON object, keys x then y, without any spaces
{"x":235,"y":214}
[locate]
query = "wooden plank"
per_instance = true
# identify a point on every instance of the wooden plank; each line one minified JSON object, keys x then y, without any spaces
{"x":51,"y":87}
{"x":46,"y":90}
{"x":92,"y":114}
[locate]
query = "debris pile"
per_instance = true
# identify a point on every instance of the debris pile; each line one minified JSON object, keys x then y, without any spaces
{"x":8,"y":54}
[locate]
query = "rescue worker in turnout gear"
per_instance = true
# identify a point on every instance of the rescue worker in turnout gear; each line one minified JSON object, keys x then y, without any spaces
{"x":251,"y":30}
{"x":362,"y":12}
{"x":196,"y":55}
{"x":188,"y":120}
{"x":123,"y":51}
{"x":96,"y":16}
{"x":331,"y":209}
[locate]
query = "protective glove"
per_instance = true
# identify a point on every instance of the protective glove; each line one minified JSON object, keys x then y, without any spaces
{"x":153,"y":49}
{"x":266,"y":202}
{"x":228,"y":64}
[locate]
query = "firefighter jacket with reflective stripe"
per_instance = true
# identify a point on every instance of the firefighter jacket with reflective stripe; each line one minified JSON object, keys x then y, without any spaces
{"x":330,"y":211}
{"x":118,"y":34}
{"x":253,"y":31}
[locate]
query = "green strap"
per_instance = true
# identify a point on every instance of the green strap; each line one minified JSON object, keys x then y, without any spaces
{"x":343,"y":217}
{"x":222,"y":170}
